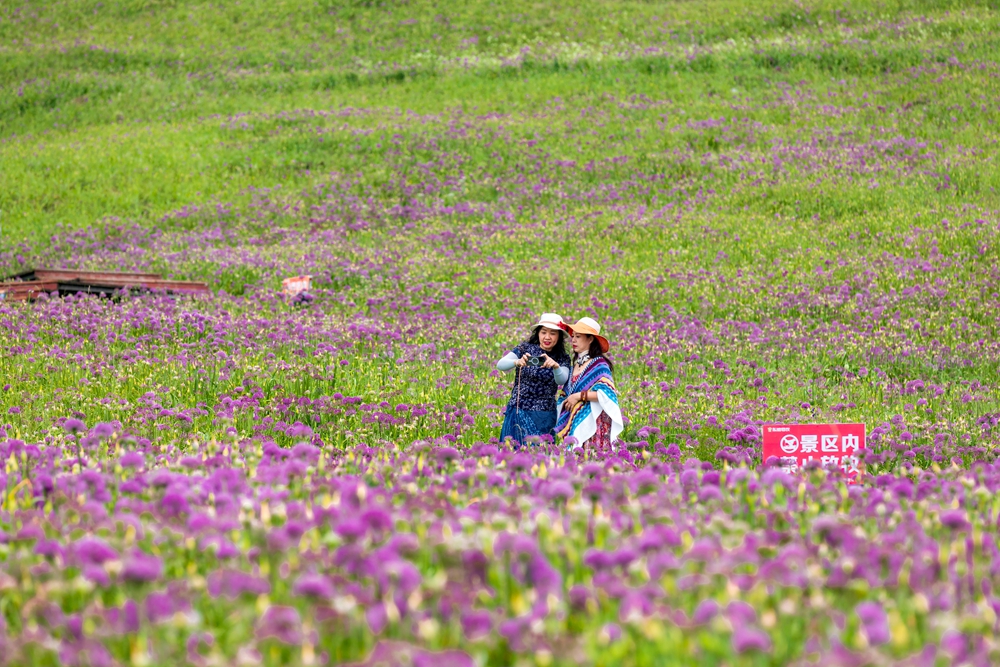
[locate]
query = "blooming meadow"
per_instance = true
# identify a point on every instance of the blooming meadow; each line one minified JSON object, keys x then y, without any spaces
{"x":778,"y":214}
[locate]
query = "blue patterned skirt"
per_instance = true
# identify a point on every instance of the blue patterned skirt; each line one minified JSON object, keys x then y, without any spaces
{"x":521,"y":424}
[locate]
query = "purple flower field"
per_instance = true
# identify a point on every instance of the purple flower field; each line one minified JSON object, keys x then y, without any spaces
{"x":785,"y":217}
{"x":307,"y":554}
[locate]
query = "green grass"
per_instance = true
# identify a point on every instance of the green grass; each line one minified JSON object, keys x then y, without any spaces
{"x":113,"y":110}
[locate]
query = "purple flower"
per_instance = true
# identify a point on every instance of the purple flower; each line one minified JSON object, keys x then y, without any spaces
{"x":174,"y":504}
{"x":377,"y":618}
{"x":704,"y":550}
{"x":709,"y":493}
{"x":593,"y":490}
{"x":103,"y":430}
{"x":233,"y":583}
{"x":49,"y":548}
{"x":281,"y":623}
{"x":954,"y":520}
{"x":612,"y":631}
{"x":142,"y":567}
{"x":313,"y":585}
{"x":74,"y":425}
{"x":514,"y":631}
{"x":95,"y":574}
{"x":520,"y":462}
{"x":306,"y":452}
{"x":578,"y":596}
{"x":352,"y":529}
{"x":131,"y":459}
{"x":747,"y":638}
{"x":377,"y":519}
{"x":705,"y":611}
{"x":740,"y":613}
{"x":446,"y":454}
{"x":476,"y":624}
{"x":163,"y":605}
{"x":130,"y":616}
{"x":874,"y":622}
{"x":560,"y":491}
{"x":598,"y":560}
{"x":657,"y":537}
{"x":299,"y":430}
{"x":956,"y":645}
{"x":542,"y":576}
{"x":132,"y":486}
{"x":94,"y":550}
{"x":449,"y":658}
{"x":197,"y":642}
{"x":84,"y":651}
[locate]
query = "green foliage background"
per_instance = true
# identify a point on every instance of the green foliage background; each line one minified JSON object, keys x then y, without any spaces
{"x":120,"y":113}
{"x":110,"y":108}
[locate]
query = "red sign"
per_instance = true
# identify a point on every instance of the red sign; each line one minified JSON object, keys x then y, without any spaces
{"x":826,"y":444}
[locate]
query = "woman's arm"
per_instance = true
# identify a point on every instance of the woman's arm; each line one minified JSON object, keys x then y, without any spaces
{"x":508,"y":362}
{"x":579,"y":397}
{"x":561,"y":374}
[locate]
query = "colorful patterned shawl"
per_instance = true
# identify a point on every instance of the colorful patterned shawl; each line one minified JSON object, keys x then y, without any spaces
{"x":581,"y":421}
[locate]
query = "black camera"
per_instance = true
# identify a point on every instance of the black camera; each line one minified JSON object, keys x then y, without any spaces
{"x":535,"y":361}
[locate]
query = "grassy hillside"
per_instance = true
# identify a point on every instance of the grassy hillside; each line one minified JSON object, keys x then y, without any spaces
{"x":824,"y":175}
{"x":134,"y":109}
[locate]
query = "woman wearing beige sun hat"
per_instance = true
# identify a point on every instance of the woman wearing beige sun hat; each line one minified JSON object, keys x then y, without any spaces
{"x":588,"y":403}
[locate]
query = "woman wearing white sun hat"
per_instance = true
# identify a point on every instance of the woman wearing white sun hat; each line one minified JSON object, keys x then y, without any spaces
{"x":588,"y":403}
{"x":542,"y":365}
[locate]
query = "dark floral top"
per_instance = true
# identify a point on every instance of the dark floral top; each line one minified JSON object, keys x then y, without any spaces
{"x":538,"y":385}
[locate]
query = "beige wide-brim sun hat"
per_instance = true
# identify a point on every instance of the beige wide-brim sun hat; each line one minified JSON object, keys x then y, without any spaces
{"x":550,"y":321}
{"x":589,"y":326}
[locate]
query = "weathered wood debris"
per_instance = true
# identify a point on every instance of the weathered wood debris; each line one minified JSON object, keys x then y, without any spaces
{"x":31,"y":284}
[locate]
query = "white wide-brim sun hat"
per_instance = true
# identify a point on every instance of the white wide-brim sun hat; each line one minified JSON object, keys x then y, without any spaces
{"x":550,"y":320}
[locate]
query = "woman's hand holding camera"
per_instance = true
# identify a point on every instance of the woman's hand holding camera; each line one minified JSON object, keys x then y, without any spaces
{"x":541,"y":361}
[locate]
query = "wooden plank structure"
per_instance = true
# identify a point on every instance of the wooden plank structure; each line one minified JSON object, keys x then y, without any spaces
{"x":70,"y":274}
{"x":29,"y":285}
{"x":26,"y":291}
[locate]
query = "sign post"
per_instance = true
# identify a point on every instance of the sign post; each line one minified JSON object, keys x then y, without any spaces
{"x":794,"y":445}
